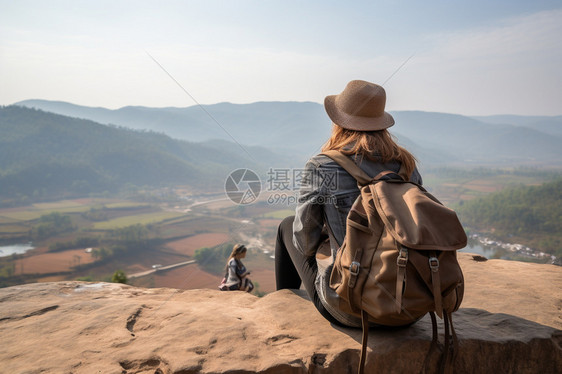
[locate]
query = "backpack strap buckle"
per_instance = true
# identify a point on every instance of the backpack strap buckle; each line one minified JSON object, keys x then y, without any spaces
{"x":436,"y":282}
{"x":434,"y":264}
{"x":402,"y":259}
{"x":354,"y":268}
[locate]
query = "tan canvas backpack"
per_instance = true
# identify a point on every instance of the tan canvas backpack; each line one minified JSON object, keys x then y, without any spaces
{"x":398,"y":261}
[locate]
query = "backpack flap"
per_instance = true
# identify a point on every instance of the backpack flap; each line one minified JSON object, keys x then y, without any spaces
{"x":415,"y":218}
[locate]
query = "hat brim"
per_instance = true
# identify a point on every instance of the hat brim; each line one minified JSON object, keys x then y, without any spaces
{"x":357,"y":123}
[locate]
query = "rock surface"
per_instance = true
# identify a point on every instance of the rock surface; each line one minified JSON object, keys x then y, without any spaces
{"x":76,"y":327}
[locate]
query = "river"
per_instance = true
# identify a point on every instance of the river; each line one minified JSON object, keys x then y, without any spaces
{"x":8,"y":250}
{"x":478,"y":249}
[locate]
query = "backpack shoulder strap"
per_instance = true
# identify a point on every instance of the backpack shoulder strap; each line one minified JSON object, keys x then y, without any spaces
{"x":349,"y":166}
{"x":356,"y":172}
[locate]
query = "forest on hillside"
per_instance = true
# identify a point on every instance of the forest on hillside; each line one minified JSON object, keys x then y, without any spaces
{"x":530,"y":214}
{"x":48,"y":156}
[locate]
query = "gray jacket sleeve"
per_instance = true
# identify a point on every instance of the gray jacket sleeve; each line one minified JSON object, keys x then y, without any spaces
{"x":309,"y":214}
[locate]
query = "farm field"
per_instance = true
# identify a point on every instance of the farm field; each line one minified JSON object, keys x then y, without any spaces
{"x":11,"y":228}
{"x":270,"y":222}
{"x":16,"y":222}
{"x":34,"y":211}
{"x":185,"y":277}
{"x":280,"y":214}
{"x":181,"y":233}
{"x":57,"y":262}
{"x":265,"y":278}
{"x":189,"y":245}
{"x":453,"y":189}
{"x":142,"y":219}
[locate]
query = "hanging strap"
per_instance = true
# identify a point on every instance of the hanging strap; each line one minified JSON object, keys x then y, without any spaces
{"x":450,"y":349}
{"x":356,"y":172}
{"x":401,"y":262}
{"x":433,"y":346}
{"x":365,"y":337}
{"x":446,"y":348}
{"x":436,"y":282}
{"x":455,"y":339}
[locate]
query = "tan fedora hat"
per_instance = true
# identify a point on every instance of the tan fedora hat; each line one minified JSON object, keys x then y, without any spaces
{"x":360,"y":106}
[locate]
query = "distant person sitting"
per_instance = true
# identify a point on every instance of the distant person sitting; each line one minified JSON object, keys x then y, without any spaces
{"x":236,"y":276}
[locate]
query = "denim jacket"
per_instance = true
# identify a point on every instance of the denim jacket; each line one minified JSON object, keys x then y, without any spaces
{"x":326,"y":194}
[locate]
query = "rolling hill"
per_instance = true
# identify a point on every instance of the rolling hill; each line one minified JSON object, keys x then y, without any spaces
{"x":43,"y":153}
{"x":282,"y":126}
{"x":550,"y":125}
{"x":478,"y":143}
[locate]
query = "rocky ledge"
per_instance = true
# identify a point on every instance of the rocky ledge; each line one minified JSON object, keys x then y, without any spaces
{"x":77,"y":327}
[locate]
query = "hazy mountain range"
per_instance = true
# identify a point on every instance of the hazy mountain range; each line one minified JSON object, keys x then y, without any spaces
{"x":45,"y":154}
{"x":296,"y":130}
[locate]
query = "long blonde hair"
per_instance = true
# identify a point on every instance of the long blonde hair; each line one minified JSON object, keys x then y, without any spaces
{"x":237,"y":250}
{"x":373,"y":145}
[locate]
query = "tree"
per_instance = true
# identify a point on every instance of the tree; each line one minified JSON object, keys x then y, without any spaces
{"x":119,"y":277}
{"x":50,"y":225}
{"x":257,"y":291}
{"x":214,"y":259}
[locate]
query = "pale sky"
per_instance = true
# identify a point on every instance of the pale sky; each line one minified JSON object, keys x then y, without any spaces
{"x":476,"y":57}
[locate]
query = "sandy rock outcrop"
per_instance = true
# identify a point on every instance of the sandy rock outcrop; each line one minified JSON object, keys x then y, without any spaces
{"x":76,"y":327}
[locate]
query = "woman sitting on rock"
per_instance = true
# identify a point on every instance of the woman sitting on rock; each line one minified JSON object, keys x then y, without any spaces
{"x":328,"y":191}
{"x":236,"y":277}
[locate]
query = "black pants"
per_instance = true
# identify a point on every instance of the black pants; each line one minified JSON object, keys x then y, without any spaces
{"x":292,"y":268}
